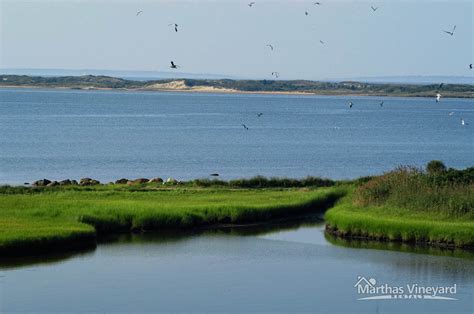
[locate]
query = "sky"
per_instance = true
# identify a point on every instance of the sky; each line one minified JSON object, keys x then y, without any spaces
{"x":400,"y":38}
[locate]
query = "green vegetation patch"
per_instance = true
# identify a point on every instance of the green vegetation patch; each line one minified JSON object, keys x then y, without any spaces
{"x":19,"y":235}
{"x":410,"y":205}
{"x":30,"y":217}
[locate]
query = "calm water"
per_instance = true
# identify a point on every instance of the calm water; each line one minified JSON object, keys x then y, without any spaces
{"x":285,"y":270}
{"x":289,"y":268}
{"x":108,"y":135}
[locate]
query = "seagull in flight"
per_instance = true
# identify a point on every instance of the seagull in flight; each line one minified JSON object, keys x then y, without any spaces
{"x":276,"y":74}
{"x":139,"y":12}
{"x":440,"y":85}
{"x":322,"y":42}
{"x":381,"y":104}
{"x":438,"y":97}
{"x":175,"y":26}
{"x":259,"y":114}
{"x":374,"y":8}
{"x":451,"y":32}
{"x":451,"y":113}
{"x":251,"y":4}
{"x":245,"y":127}
{"x":173,"y":66}
{"x":351,"y":104}
{"x":317,"y":3}
{"x":306,"y":13}
{"x":470,"y":66}
{"x":271,"y":46}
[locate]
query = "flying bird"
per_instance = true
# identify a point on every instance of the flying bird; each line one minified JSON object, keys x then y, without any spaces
{"x":374,"y":8}
{"x":322,"y":42}
{"x":317,"y":3}
{"x":351,"y":104}
{"x":306,"y":13}
{"x":276,"y":74}
{"x":438,"y":97}
{"x":451,"y":113}
{"x":451,"y":32}
{"x":245,"y":127}
{"x":440,"y":85}
{"x":173,"y":66}
{"x":251,"y":4}
{"x":381,"y":104}
{"x":269,"y":45}
{"x":259,"y":114}
{"x":470,"y":66}
{"x":139,"y":12}
{"x":175,"y":26}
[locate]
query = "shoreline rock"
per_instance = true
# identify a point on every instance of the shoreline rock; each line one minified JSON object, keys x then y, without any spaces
{"x":138,"y":181}
{"x":88,"y":182}
{"x":156,"y":180}
{"x":42,"y":182}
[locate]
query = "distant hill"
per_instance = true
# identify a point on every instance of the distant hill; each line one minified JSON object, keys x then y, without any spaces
{"x":135,"y":75}
{"x":228,"y":85}
{"x":418,"y":79}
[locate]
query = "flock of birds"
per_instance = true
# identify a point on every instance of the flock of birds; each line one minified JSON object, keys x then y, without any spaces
{"x":275,"y":74}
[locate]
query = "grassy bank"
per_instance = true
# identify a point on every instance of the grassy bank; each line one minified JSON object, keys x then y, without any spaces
{"x":40,"y":219}
{"x":433,"y":207}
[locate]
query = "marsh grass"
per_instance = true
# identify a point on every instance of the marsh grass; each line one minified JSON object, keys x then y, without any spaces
{"x":410,"y":205}
{"x":264,"y":182}
{"x":32,"y":217}
{"x":444,"y":194}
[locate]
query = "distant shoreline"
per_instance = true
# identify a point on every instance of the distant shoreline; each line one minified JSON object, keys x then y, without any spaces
{"x":216,"y":91}
{"x":271,"y":87}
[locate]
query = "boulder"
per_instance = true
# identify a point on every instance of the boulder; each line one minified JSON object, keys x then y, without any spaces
{"x":53,"y":183}
{"x":171,"y":181}
{"x":65,"y":182}
{"x":139,"y":181}
{"x":88,"y":181}
{"x":43,"y":182}
{"x":121,"y":181}
{"x":155,"y":180}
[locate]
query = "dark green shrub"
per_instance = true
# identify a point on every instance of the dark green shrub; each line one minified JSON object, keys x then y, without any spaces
{"x":435,"y":167}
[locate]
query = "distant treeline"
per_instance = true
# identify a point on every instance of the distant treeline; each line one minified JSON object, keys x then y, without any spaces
{"x":348,"y":87}
{"x":302,"y":86}
{"x":69,"y":81}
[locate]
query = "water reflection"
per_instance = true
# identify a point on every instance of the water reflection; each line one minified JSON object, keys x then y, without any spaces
{"x":304,"y":229}
{"x":399,"y":247}
{"x":287,"y":266}
{"x":164,"y":237}
{"x":43,"y":259}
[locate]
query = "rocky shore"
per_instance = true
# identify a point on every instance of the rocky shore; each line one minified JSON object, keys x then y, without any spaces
{"x":92,"y":182}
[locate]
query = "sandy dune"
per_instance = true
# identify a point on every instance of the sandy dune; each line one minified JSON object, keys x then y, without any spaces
{"x":179,"y":85}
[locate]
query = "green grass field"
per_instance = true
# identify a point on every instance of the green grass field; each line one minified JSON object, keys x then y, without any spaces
{"x":398,"y":224}
{"x":43,"y":218}
{"x":409,"y":205}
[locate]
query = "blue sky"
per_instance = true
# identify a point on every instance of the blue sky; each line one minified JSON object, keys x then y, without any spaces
{"x":229,"y":37}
